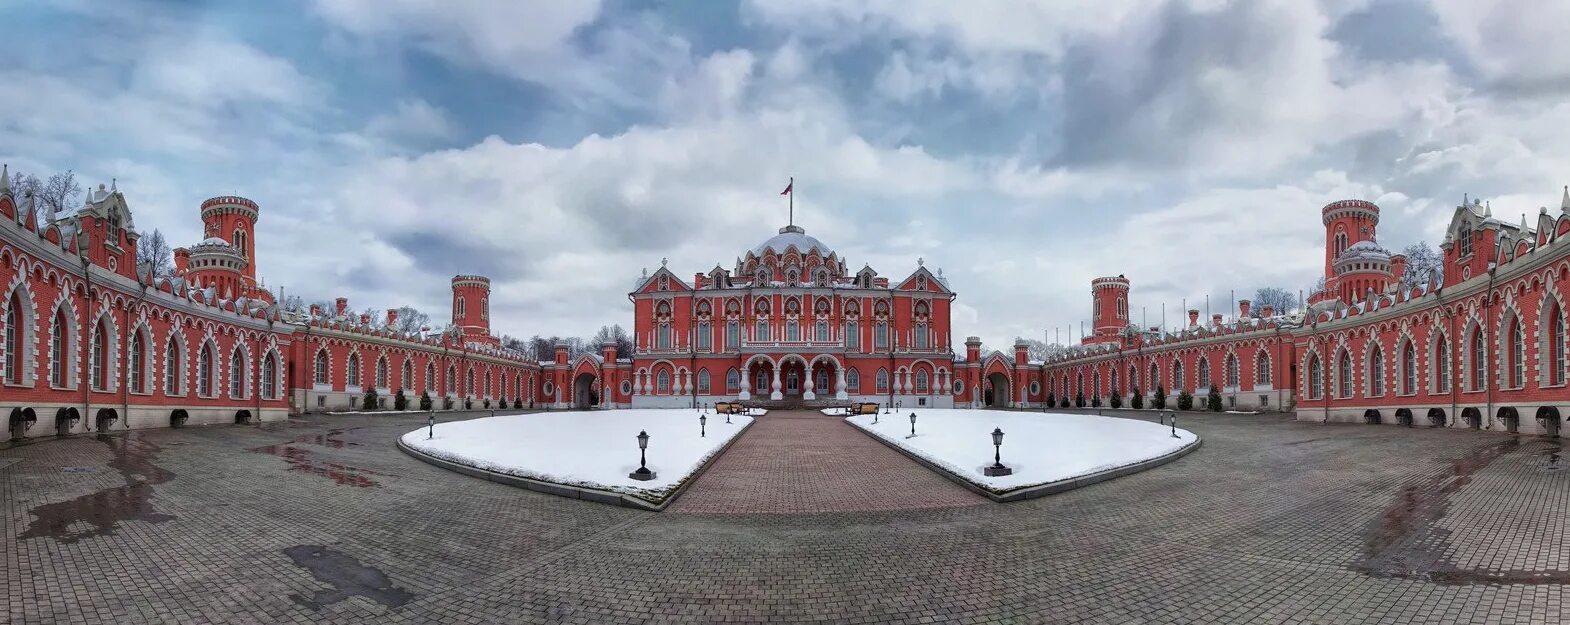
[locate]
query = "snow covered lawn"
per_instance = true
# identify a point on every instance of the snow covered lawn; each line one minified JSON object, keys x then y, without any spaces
{"x":591,"y":449}
{"x":1041,"y":447}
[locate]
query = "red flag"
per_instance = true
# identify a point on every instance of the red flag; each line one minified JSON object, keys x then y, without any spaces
{"x":787,"y":188}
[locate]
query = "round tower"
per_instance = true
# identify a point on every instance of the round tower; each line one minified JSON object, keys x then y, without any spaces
{"x":233,"y":219}
{"x":1109,"y":296}
{"x":1347,"y":223}
{"x":471,"y":307}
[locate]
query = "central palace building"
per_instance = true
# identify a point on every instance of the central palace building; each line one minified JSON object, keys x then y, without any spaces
{"x":94,"y":341}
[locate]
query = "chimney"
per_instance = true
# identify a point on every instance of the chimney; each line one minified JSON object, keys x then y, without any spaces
{"x":341,"y":305}
{"x":392,"y":317}
{"x":365,"y":320}
{"x":1243,"y":307}
{"x":316,"y":311}
{"x":1193,"y":317}
{"x":1267,"y":310}
{"x":1215,"y":320}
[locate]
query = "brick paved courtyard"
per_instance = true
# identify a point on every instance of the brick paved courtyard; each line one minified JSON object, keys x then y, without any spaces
{"x":322,"y":520}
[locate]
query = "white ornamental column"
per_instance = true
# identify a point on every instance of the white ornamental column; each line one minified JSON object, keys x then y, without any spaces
{"x":776,"y":395}
{"x":746,"y":383}
{"x":806,"y":392}
{"x":839,"y":383}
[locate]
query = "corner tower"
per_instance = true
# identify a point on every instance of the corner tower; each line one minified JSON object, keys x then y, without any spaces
{"x":471,"y":308}
{"x":233,"y":219}
{"x":1109,"y":315}
{"x":1347,"y":223}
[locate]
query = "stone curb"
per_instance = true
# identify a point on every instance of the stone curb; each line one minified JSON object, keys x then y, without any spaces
{"x":1039,"y":490}
{"x":577,"y":492}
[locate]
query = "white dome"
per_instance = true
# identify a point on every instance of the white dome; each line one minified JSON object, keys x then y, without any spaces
{"x":1365,"y":250}
{"x":214,"y":241}
{"x":792,"y":236}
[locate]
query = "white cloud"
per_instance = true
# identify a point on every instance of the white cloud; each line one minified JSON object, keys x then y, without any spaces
{"x":412,"y":118}
{"x":1517,"y":42}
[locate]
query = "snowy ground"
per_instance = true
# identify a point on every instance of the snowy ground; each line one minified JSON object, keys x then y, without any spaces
{"x":1040,"y":447}
{"x":595,"y":449}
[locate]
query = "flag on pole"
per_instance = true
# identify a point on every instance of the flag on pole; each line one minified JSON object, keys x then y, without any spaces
{"x":788,"y":187}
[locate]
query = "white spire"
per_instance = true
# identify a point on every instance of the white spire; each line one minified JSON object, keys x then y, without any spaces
{"x":1564,"y":204}
{"x":5,"y":178}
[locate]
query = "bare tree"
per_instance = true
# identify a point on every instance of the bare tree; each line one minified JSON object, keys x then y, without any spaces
{"x":612,"y":334}
{"x":411,"y":320}
{"x":153,"y":253}
{"x":1037,"y":349}
{"x":1280,"y":299}
{"x":1421,"y":261}
{"x":51,"y":197}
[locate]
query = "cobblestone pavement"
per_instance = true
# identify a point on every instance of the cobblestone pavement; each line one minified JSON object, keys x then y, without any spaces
{"x":322,"y":520}
{"x":800,"y":461}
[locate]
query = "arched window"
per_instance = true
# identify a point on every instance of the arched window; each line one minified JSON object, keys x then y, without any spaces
{"x":1177,"y":376}
{"x":430,"y":378}
{"x":1556,"y":346}
{"x":1204,"y":380}
{"x":880,"y":335}
{"x":381,"y":372}
{"x":703,"y":381}
{"x":732,"y":381}
{"x":852,"y":381}
{"x":1479,"y":359}
{"x":321,"y":367}
{"x":237,"y":374}
{"x":761,"y":382}
{"x":821,"y":380}
{"x":705,"y":336}
{"x":14,"y":335}
{"x":468,"y":382}
{"x":1316,"y":377}
{"x":1133,"y":377}
{"x":1376,"y":371}
{"x":1155,"y":374}
{"x":1095,"y":383}
{"x":732,"y":335}
{"x":921,"y":381}
{"x":406,"y":381}
{"x":1344,"y":374}
{"x":458,"y":307}
{"x":174,"y":363}
{"x":270,"y":376}
{"x":1232,"y":371}
{"x":1262,"y":368}
{"x":204,"y":370}
{"x":351,"y":372}
{"x":662,"y":382}
{"x":1441,"y":364}
{"x":1517,"y":353}
{"x":921,"y":336}
{"x":487,"y":383}
{"x":452,"y":379}
{"x":822,"y":333}
{"x":136,"y":373}
{"x":882,"y":381}
{"x":1408,"y":368}
{"x":59,"y":334}
{"x":239,"y":242}
{"x":98,"y":370}
{"x":852,"y":336}
{"x":485,"y":308}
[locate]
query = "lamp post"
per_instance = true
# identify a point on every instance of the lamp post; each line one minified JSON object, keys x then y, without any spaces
{"x":703,"y":423}
{"x":643,"y":474}
{"x":1174,"y":427}
{"x":997,"y":468}
{"x":912,"y":425}
{"x":430,"y":422}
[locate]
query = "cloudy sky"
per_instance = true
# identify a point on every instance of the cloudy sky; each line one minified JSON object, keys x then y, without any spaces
{"x":561,"y":147}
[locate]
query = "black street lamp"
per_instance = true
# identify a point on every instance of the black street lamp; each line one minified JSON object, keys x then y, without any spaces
{"x":643,"y":474}
{"x":1174,"y":427}
{"x":912,"y":425}
{"x":727,"y":417}
{"x":431,"y":423}
{"x":997,"y":468}
{"x":887,"y":406}
{"x":874,"y":417}
{"x":703,"y":423}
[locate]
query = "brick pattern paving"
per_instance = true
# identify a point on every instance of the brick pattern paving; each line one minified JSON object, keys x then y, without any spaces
{"x":1272,"y":521}
{"x":804,"y":462}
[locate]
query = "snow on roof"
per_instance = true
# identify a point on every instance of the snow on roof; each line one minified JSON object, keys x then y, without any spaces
{"x":792,"y":236}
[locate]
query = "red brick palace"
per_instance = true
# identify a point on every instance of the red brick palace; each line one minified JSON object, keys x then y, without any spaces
{"x":92,"y":341}
{"x":1483,"y":348}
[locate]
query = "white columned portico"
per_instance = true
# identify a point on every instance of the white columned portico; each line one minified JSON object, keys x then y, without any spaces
{"x":839,"y":383}
{"x":681,"y":383}
{"x":806,"y":389}
{"x":776,"y":395}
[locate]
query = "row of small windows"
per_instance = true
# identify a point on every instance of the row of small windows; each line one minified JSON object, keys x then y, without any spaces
{"x":321,"y":376}
{"x":1231,"y":371}
{"x":761,"y":332}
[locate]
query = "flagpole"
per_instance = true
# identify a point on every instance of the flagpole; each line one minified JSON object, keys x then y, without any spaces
{"x":792,"y":187}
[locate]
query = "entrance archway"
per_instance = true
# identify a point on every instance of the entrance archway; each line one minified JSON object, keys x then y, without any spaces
{"x":65,"y":418}
{"x":1511,"y":419}
{"x":1472,"y":417}
{"x":21,"y":419}
{"x":583,"y":396}
{"x":998,"y":391}
{"x":242,"y":417}
{"x":1436,"y":417}
{"x":105,"y":418}
{"x":1549,"y":417}
{"x":757,"y":377}
{"x":827,"y":377}
{"x":1404,"y":416}
{"x":793,"y":378}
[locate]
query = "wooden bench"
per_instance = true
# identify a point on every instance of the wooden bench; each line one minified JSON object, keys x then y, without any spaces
{"x":866,"y":408}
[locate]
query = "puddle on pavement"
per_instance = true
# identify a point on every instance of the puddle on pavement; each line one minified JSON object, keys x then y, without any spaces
{"x":1405,"y":540}
{"x":303,"y":460}
{"x":347,"y":577}
{"x":98,"y":513}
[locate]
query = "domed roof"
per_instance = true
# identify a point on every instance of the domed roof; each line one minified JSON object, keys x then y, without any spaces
{"x":214,"y":241}
{"x":1365,"y":250}
{"x":792,"y":236}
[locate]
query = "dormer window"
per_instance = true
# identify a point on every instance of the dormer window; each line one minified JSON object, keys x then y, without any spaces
{"x":763,"y":277}
{"x":792,"y":278}
{"x":1464,"y":242}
